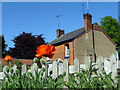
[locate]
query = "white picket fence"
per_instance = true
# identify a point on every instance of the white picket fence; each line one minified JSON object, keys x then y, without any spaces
{"x":59,"y":66}
{"x":118,"y":63}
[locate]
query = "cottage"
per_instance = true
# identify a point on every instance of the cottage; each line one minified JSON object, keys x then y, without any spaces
{"x":89,"y":40}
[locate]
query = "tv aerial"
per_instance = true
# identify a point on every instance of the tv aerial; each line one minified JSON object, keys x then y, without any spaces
{"x":87,"y":6}
{"x":58,"y":17}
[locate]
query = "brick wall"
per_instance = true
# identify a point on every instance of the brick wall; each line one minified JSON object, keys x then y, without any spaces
{"x":60,"y":52}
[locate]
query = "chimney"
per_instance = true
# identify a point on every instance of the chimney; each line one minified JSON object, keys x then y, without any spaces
{"x":59,"y":32}
{"x":88,"y":21}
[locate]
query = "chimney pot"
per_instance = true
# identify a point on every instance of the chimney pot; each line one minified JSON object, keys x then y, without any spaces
{"x":59,"y":32}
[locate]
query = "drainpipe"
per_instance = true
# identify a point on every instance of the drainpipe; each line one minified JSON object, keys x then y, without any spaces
{"x":94,"y":45}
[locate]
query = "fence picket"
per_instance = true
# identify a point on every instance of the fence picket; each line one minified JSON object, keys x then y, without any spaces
{"x":34,"y":67}
{"x":113,"y":65}
{"x":100,"y":64}
{"x":54,"y":69}
{"x":66,"y":69}
{"x":14,"y":67}
{"x":24,"y":68}
{"x":76,"y":65}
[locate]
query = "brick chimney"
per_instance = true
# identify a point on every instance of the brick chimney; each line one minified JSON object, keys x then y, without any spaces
{"x":88,"y":21}
{"x":59,"y":32}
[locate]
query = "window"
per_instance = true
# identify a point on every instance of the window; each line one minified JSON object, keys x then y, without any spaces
{"x":66,"y":50}
{"x":117,"y":55}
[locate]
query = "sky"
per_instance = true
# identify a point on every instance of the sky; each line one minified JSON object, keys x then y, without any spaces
{"x":40,"y":17}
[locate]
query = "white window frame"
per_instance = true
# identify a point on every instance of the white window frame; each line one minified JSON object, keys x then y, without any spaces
{"x":66,"y":50}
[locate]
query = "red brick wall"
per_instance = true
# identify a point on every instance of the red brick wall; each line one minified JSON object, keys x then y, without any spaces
{"x":60,"y":52}
{"x":24,"y":61}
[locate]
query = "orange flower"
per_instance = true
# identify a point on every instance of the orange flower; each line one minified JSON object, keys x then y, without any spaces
{"x":41,"y":50}
{"x":7,"y":58}
{"x":52,"y":50}
{"x":45,"y":50}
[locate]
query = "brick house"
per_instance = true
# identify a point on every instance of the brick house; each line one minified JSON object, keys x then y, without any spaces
{"x":80,"y":43}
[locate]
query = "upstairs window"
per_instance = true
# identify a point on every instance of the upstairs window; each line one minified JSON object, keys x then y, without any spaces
{"x":66,"y":50}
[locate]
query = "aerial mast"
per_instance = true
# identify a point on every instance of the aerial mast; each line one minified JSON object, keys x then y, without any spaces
{"x":83,"y":6}
{"x":87,"y":7}
{"x":58,"y":17}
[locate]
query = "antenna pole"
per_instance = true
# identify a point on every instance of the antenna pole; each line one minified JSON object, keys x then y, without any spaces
{"x":87,"y":7}
{"x":83,"y":6}
{"x":58,"y":16}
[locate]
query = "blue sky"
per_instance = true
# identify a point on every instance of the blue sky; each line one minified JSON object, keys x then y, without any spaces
{"x":40,"y":17}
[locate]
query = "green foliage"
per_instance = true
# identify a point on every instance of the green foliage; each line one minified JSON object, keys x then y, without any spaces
{"x":11,"y":70}
{"x":54,"y":83}
{"x":42,"y":61}
{"x":35,"y":60}
{"x":43,"y":69}
{"x":90,"y":54}
{"x":16,"y":71}
{"x":7,"y":69}
{"x":64,"y":73}
{"x":41,"y":73}
{"x":111,"y":27}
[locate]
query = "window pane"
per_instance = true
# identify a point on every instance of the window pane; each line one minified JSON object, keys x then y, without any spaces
{"x":66,"y":50}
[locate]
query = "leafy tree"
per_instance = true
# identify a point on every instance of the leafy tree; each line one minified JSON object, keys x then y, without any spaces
{"x":112,"y":28}
{"x":4,"y":46}
{"x":26,"y":45}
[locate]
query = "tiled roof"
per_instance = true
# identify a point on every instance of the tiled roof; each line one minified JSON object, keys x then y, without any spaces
{"x":68,"y":36}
